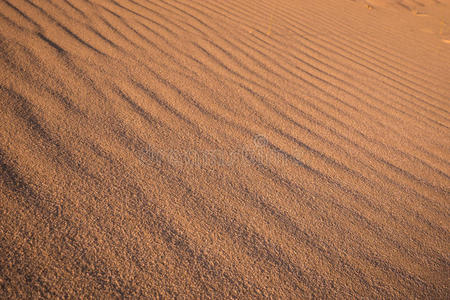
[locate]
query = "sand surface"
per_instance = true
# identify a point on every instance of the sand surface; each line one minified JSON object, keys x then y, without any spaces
{"x":283,"y":149}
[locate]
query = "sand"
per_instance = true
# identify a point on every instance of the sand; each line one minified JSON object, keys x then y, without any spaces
{"x":225,"y":149}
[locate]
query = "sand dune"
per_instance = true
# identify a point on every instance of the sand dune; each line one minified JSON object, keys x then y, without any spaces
{"x":216,"y":149}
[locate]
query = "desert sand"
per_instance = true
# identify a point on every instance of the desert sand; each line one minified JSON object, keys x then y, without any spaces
{"x":283,"y":149}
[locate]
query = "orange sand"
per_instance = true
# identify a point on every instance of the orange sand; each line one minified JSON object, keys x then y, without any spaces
{"x":225,"y":148}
